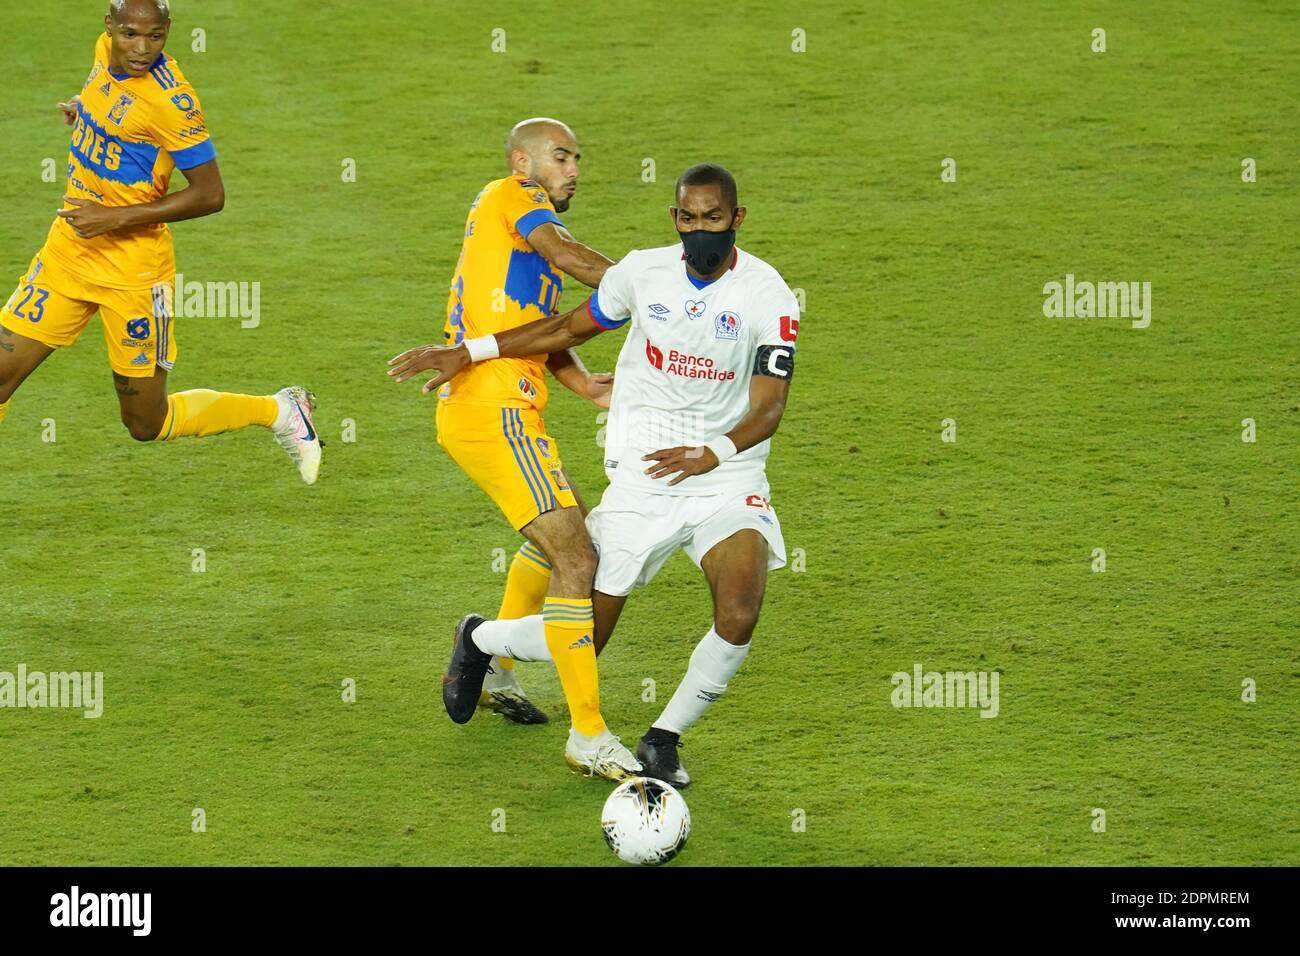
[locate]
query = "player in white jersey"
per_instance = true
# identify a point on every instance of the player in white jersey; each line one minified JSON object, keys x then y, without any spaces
{"x":699,"y":390}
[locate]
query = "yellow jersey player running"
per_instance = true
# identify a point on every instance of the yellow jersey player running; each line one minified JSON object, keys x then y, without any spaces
{"x":110,"y":250}
{"x":489,"y":421}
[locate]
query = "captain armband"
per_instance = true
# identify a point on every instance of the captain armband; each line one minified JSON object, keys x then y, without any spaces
{"x":775,"y":361}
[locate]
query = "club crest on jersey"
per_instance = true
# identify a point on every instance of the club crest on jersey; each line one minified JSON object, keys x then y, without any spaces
{"x":694,"y":309}
{"x":659,"y":312}
{"x":727,"y":326}
{"x":539,"y":197}
{"x":544,"y":447}
{"x":138,"y":328}
{"x":528,"y":388}
{"x":124,"y":103}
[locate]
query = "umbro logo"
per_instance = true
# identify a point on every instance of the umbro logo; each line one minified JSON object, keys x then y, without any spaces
{"x":660,"y":312}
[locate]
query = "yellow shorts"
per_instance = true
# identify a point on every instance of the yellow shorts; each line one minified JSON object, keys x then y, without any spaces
{"x":54,"y":307}
{"x":508,"y":454}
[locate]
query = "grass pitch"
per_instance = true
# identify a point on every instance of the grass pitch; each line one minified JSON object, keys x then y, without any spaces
{"x":1120,"y":691}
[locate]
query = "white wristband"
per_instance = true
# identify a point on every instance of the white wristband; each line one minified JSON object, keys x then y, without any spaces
{"x":482,"y":348}
{"x":722,"y":446}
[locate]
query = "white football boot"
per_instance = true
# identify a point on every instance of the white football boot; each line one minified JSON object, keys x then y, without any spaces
{"x":601,"y":756}
{"x":502,"y":694}
{"x":295,"y":431}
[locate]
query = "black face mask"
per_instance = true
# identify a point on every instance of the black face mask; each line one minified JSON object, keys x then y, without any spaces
{"x":707,"y":251}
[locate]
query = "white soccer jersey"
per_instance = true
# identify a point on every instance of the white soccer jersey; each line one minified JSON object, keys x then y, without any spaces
{"x":683,"y":375}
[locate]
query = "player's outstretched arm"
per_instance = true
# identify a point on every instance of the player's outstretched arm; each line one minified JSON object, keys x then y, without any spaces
{"x":767,"y":397}
{"x":205,"y":195}
{"x":543,"y":337}
{"x":568,"y":254}
{"x":570,"y":372}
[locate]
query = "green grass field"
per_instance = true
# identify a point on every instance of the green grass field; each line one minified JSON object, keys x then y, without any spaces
{"x":1119,"y":690}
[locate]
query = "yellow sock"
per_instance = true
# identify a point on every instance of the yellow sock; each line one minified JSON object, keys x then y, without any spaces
{"x":4,"y":410}
{"x":569,"y":624}
{"x":203,"y":412}
{"x":526,"y":585}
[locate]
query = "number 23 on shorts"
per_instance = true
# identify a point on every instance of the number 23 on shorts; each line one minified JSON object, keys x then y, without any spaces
{"x":36,"y":311}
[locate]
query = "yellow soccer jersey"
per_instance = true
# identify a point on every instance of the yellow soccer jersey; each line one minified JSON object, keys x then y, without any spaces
{"x":501,"y":282}
{"x":130,"y":133}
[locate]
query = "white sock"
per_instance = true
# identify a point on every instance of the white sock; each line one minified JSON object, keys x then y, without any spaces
{"x":713,"y":663}
{"x":523,"y":639}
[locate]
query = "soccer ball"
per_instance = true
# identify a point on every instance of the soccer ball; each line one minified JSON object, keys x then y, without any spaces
{"x":645,"y":821}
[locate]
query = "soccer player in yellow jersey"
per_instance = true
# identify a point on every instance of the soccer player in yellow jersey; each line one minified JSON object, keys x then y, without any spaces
{"x":489,"y":421}
{"x":110,"y":250}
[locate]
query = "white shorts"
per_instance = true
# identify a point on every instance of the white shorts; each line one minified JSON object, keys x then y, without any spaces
{"x":635,"y":532}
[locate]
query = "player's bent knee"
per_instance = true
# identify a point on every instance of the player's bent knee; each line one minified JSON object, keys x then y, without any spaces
{"x":575,"y":566}
{"x":142,"y":429}
{"x":142,"y":433}
{"x":563,"y":538}
{"x":735,"y":622}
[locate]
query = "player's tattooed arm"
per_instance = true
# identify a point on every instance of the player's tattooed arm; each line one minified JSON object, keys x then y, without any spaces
{"x":568,"y":254}
{"x":205,"y":195}
{"x":543,"y":337}
{"x":570,"y":372}
{"x":767,"y":397}
{"x":6,"y":339}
